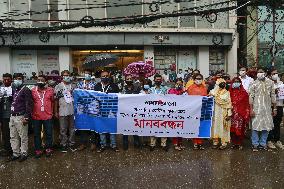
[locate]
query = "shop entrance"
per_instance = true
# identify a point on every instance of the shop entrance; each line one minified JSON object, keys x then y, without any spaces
{"x":124,"y":57}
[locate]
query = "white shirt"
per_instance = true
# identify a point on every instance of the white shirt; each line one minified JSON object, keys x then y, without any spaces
{"x":246,"y":82}
{"x":276,"y":86}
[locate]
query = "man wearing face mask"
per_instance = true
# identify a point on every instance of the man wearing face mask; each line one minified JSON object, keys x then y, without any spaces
{"x":158,"y":89}
{"x":64,"y":110}
{"x":42,"y":114}
{"x":107,"y":86}
{"x":246,"y":80}
{"x":21,"y":109}
{"x":131,"y":88}
{"x":87,"y":84}
{"x":6,"y":99}
{"x":274,"y":135}
{"x":262,"y":99}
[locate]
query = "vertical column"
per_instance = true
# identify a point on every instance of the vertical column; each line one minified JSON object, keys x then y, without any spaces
{"x":65,"y":59}
{"x":233,"y":58}
{"x":5,"y":61}
{"x":203,"y":60}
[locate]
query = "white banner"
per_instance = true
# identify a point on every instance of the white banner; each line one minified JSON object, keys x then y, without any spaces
{"x":159,"y":115}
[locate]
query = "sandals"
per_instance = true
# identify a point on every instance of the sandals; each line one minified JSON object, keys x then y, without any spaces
{"x":178,"y":148}
{"x":223,"y":147}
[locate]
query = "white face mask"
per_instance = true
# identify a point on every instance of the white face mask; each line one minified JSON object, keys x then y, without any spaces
{"x":275,"y":77}
{"x":198,"y":82}
{"x":260,"y":76}
{"x":242,"y":73}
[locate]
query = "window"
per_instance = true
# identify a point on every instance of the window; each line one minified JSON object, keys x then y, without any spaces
{"x":123,"y":11}
{"x":216,"y":60}
{"x":268,"y":23}
{"x":187,"y":21}
{"x":96,"y":13}
{"x":4,"y":9}
{"x":164,"y":58}
{"x":78,"y":9}
{"x":40,"y":8}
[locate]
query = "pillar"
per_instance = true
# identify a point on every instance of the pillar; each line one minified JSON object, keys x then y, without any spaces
{"x":65,"y":59}
{"x":203,"y":60}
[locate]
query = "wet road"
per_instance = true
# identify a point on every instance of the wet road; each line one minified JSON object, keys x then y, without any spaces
{"x":144,"y":169}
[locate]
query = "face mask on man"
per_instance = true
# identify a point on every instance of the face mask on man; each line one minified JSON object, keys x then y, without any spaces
{"x":146,"y":87}
{"x":275,"y":77}
{"x":41,"y":84}
{"x":198,"y":81}
{"x":236,"y":85}
{"x":104,"y":79}
{"x":18,"y":83}
{"x":242,"y":73}
{"x":158,"y":83}
{"x":260,"y":76}
{"x":88,"y":77}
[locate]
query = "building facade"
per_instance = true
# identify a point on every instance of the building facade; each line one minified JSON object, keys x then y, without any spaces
{"x":180,"y":42}
{"x":264,"y":43}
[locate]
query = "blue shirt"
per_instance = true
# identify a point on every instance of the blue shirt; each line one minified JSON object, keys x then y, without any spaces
{"x":161,"y":90}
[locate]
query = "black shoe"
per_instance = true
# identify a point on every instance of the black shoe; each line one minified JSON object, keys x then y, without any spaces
{"x":101,"y":149}
{"x":152,"y":148}
{"x":63,"y":149}
{"x":13,"y":158}
{"x":165,"y":148}
{"x":115,"y":149}
{"x":23,"y":158}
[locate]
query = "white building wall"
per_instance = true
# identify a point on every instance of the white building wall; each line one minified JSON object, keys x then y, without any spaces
{"x":5,"y":61}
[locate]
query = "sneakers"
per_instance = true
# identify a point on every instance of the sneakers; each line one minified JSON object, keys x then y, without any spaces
{"x":271,"y":145}
{"x":254,"y":149}
{"x":279,"y":145}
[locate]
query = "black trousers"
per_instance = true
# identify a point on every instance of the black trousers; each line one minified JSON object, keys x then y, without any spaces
{"x":274,"y":134}
{"x":6,"y":134}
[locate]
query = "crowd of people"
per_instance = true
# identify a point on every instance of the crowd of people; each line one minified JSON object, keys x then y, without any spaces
{"x":248,"y":101}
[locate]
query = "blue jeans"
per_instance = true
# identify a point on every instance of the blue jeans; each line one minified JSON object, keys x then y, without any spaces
{"x":112,"y":140}
{"x":256,"y":140}
{"x":47,"y":125}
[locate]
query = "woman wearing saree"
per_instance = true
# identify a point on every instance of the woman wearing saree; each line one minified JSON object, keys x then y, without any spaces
{"x":240,"y":112}
{"x":222,"y":115}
